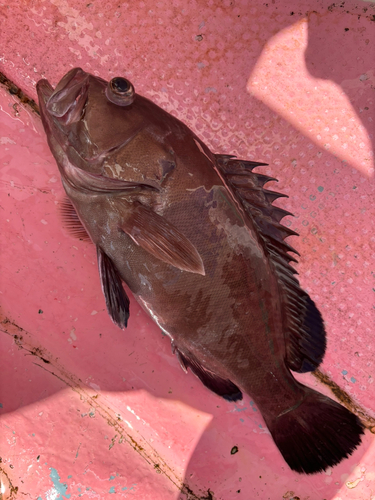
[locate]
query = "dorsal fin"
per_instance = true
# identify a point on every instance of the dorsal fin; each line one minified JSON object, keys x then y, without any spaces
{"x":304,"y":328}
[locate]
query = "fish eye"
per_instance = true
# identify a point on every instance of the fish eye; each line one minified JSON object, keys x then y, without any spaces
{"x":120,"y":85}
{"x":120,"y":91}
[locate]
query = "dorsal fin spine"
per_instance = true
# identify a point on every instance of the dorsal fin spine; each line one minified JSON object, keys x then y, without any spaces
{"x":304,"y":328}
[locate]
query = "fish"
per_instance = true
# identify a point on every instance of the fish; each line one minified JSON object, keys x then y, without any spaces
{"x":195,"y":238}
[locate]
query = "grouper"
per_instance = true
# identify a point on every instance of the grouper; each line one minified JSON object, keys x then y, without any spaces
{"x":195,"y":237}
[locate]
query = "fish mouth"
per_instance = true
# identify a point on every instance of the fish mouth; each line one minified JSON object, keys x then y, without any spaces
{"x":67,"y":101}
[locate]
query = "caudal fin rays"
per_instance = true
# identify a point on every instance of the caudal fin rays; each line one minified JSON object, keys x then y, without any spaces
{"x":317,"y":434}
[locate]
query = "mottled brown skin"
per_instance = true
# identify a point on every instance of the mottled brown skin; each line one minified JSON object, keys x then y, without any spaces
{"x":232,"y":318}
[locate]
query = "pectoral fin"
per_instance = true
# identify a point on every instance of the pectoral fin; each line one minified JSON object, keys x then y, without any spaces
{"x":71,"y":220}
{"x":162,"y":239}
{"x":115,"y":296}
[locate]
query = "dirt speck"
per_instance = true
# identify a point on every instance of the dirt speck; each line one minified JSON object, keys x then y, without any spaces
{"x":14,"y":90}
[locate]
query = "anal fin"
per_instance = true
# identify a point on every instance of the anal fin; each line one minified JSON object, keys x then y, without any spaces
{"x":222,"y":387}
{"x":115,"y":296}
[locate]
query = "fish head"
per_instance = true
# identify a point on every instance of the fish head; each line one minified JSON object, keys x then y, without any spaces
{"x":106,"y":128}
{"x":117,"y":153}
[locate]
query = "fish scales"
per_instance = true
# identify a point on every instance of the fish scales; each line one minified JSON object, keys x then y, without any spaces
{"x":196,"y":239}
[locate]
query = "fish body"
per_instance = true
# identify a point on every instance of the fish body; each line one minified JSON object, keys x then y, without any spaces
{"x":196,"y":239}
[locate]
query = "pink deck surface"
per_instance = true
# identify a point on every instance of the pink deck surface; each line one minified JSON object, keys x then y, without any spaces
{"x":89,"y":411}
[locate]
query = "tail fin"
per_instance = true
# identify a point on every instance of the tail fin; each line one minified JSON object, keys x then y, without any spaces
{"x":317,"y":434}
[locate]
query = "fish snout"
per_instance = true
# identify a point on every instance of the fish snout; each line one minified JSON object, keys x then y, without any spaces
{"x":44,"y":90}
{"x":67,"y":101}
